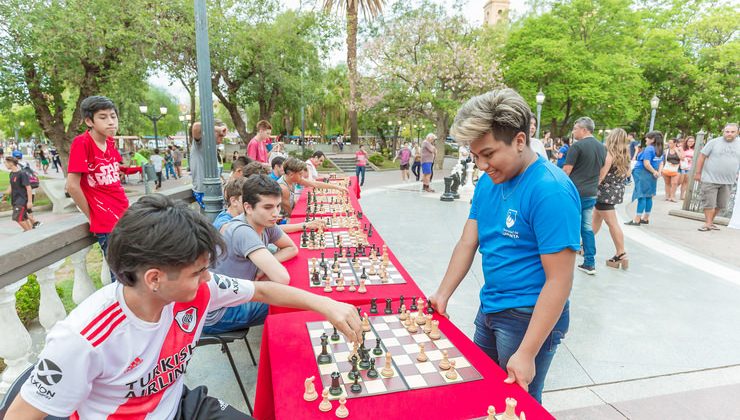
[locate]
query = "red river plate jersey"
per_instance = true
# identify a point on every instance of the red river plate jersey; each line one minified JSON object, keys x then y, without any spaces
{"x":102,"y":362}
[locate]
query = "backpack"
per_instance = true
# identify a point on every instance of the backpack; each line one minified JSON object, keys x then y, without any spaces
{"x":32,"y":177}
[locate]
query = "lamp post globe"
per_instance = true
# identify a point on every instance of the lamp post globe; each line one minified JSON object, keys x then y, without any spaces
{"x":654,"y":102}
{"x":540,"y":98}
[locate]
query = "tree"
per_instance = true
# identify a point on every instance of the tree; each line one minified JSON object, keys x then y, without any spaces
{"x":350,"y":8}
{"x":54,"y":66}
{"x":426,"y":64}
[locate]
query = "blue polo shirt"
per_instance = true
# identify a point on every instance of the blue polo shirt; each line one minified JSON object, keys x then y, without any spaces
{"x":540,"y":215}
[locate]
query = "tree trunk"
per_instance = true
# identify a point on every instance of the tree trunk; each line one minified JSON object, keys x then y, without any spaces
{"x":442,"y":120}
{"x":352,"y":67}
{"x":236,"y":116}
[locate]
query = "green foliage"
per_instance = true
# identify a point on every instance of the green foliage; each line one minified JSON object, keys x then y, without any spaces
{"x":146,"y":153}
{"x":449,"y":151}
{"x":27,"y":300}
{"x":302,"y":154}
{"x":376,"y":159}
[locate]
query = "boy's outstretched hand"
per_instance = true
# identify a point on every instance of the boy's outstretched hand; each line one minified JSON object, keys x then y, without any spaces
{"x":345,"y":318}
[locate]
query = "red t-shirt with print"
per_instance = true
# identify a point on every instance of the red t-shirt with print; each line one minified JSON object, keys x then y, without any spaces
{"x":100,"y":181}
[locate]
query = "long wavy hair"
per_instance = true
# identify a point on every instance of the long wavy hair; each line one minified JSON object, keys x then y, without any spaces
{"x":618,"y":147}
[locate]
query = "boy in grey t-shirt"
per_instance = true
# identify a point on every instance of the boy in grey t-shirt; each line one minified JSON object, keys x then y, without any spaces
{"x":247,"y":256}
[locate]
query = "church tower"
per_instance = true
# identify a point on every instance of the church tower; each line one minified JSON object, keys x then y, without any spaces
{"x":495,"y":11}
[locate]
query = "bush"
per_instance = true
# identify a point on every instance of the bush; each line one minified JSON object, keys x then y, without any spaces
{"x":145,"y":152}
{"x":27,"y":300}
{"x":302,"y":155}
{"x":376,"y":159}
{"x":449,"y":151}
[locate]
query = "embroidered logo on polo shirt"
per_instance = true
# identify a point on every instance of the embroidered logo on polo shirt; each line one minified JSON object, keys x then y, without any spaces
{"x":187,"y":319}
{"x":510,"y":218}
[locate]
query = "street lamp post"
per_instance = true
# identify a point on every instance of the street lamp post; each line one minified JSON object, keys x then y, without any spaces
{"x":540,"y":100}
{"x":654,"y":105}
{"x":20,"y":125}
{"x":154,"y":118}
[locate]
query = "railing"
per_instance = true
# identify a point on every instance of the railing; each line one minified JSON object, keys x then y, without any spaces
{"x":43,"y":251}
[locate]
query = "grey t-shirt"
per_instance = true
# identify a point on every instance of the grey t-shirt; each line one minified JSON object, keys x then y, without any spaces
{"x":587,"y":156}
{"x":722,"y":161}
{"x":197,"y":170}
{"x":241,"y":240}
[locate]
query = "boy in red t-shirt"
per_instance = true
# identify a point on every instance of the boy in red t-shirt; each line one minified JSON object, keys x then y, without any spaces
{"x":92,"y":178}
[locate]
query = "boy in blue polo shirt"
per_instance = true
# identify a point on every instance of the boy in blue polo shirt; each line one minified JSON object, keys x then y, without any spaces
{"x":525,"y":220}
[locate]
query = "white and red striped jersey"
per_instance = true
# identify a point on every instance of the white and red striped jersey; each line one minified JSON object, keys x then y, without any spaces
{"x":102,"y":362}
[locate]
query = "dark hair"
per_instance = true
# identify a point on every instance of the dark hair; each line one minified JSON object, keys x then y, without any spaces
{"x":258,"y":185}
{"x":159,"y":232}
{"x":633,"y":134}
{"x":318,"y":154}
{"x":294,"y":165}
{"x":240,"y":162}
{"x":93,"y":104}
{"x":255,"y":168}
{"x":156,"y":151}
{"x":233,"y":188}
{"x":566,"y":140}
{"x":277,"y":161}
{"x":658,"y":143}
{"x":12,"y":160}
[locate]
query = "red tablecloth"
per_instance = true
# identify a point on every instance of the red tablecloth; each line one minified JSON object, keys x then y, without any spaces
{"x":287,"y":359}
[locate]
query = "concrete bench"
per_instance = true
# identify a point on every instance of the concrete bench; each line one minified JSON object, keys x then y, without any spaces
{"x":54,"y":189}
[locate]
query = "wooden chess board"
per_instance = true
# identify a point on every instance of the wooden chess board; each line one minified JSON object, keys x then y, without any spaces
{"x":403,"y":346}
{"x":325,"y":208}
{"x":339,"y":222}
{"x":350,"y":274}
{"x":330,"y":240}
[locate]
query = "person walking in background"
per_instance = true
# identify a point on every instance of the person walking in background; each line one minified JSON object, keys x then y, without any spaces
{"x":562,"y":153}
{"x":157,"y":161}
{"x":21,"y":196}
{"x":256,"y":149}
{"x":44,"y":156}
{"x":404,"y":156}
{"x":583,"y":164}
{"x":416,"y":166}
{"x":169,"y":167}
{"x":646,"y":173}
{"x":177,"y":161}
{"x":611,"y":192}
{"x":687,"y":161}
{"x":428,"y":152}
{"x":361,"y":164}
{"x":534,"y":143}
{"x":717,"y":167}
{"x":671,"y":162}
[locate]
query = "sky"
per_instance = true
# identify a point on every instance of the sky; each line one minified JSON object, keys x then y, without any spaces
{"x":473,"y":11}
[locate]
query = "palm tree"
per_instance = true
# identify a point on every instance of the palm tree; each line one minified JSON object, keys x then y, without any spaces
{"x":371,"y":9}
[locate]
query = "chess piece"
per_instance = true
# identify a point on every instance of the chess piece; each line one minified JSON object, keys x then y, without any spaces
{"x":422,"y":357}
{"x":510,"y":413}
{"x":310,"y":393}
{"x":420,"y":318}
{"x":315,"y":279}
{"x":372,"y":271}
{"x":407,"y":320}
{"x":413,"y":306}
{"x":354,"y":352}
{"x":355,"y":371}
{"x":428,"y":324}
{"x":327,"y":286}
{"x":352,"y":287}
{"x":451,"y":372}
{"x":342,"y":411}
{"x":340,"y":285}
{"x":387,"y":371}
{"x":402,"y":307}
{"x":430,"y":310}
{"x":384,"y":275}
{"x":420,"y":303}
{"x":364,"y":358}
{"x":373,"y":305}
{"x":363,"y":276}
{"x":324,"y":357}
{"x":325,"y":404}
{"x":322,"y":264}
{"x":388,"y":310}
{"x":377,"y":350}
{"x":365,"y":323}
{"x":335,"y":389}
{"x":522,"y":416}
{"x":434,"y":333}
{"x":356,"y":387}
{"x":371,"y":372}
{"x":491,"y":413}
{"x":444,"y":364}
{"x":362,"y":288}
{"x":412,"y":327}
{"x":313,"y":266}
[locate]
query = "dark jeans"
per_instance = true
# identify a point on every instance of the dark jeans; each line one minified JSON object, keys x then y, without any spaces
{"x":159,"y":179}
{"x":102,"y":239}
{"x":196,"y":404}
{"x":500,"y":334}
{"x":169,"y":168}
{"x":416,"y":169}
{"x":360,"y":170}
{"x":239,"y":317}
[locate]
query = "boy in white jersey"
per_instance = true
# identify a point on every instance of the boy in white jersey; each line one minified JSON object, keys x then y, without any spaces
{"x":122,"y":352}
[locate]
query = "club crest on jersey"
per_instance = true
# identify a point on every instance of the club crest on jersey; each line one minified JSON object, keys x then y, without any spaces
{"x":510,"y":218}
{"x":187,"y":319}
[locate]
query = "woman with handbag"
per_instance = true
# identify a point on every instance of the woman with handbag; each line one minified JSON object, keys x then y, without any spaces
{"x":612,"y":179}
{"x":687,"y":148}
{"x":671,"y":166}
{"x":646,"y":173}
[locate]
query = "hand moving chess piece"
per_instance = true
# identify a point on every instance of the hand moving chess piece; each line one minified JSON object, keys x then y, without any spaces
{"x":444,"y":364}
{"x":325,"y":404}
{"x":310,"y":393}
{"x":387,"y":371}
{"x":422,"y":357}
{"x":451,"y":373}
{"x":342,"y":411}
{"x":510,"y":413}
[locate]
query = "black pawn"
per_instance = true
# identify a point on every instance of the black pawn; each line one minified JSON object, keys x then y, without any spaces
{"x":335,"y":335}
{"x":364,"y":358}
{"x":400,"y":303}
{"x":354,"y":372}
{"x":315,"y":278}
{"x":377,"y":350}
{"x":324,"y":357}
{"x":372,"y":373}
{"x":335,"y":389}
{"x":356,"y":387}
{"x":413,"y":304}
{"x":374,"y":305}
{"x":322,"y":264}
{"x":430,"y":310}
{"x":363,"y":276}
{"x":388,"y":310}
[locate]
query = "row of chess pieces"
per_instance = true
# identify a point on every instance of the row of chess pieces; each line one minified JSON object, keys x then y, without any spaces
{"x":377,"y":267}
{"x":338,"y":220}
{"x":316,"y":240}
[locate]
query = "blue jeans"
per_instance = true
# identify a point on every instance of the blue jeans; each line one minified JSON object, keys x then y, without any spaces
{"x":587,"y":231}
{"x":239,"y":317}
{"x":644,"y":206}
{"x":169,"y":168}
{"x":360,"y":170}
{"x":102,"y":239}
{"x":500,"y":334}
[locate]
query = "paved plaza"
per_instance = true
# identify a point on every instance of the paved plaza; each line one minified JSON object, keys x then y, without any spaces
{"x":657,"y":341}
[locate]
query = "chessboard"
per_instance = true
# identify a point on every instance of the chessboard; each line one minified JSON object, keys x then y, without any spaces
{"x":330,"y":240}
{"x":351,"y":273}
{"x":333,"y":222}
{"x":408,"y":372}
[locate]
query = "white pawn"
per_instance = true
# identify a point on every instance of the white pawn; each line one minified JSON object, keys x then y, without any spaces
{"x":434,"y":333}
{"x":327,"y":286}
{"x":310,"y":393}
{"x":451,"y":373}
{"x":342,"y":411}
{"x":325,"y":404}
{"x":510,"y":413}
{"x":362,"y":288}
{"x":491,"y":413}
{"x":444,"y":364}
{"x":422,"y":357}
